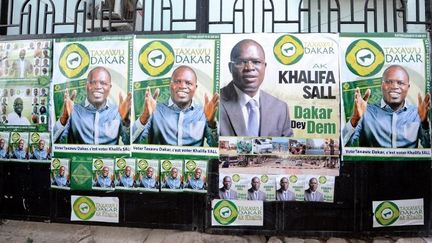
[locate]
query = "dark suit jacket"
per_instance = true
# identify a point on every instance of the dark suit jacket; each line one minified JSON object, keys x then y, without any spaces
{"x":319,"y":197}
{"x":232,"y":194}
{"x":261,"y":195}
{"x":274,"y":115}
{"x":290,"y":195}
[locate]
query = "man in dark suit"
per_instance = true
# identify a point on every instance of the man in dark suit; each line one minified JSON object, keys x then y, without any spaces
{"x":245,"y":109}
{"x":283,"y":194}
{"x":311,"y":194}
{"x":225,"y":191}
{"x":254,"y":192}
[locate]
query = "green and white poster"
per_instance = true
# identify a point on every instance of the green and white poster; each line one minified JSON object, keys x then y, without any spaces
{"x":125,"y":173}
{"x":195,"y":175}
{"x":91,"y":103}
{"x":237,"y":213}
{"x":95,"y":209}
{"x":319,"y":188}
{"x":172,"y":179}
{"x":398,"y":212}
{"x":147,"y":175}
{"x":385,"y":94}
{"x":25,"y":72}
{"x":290,"y":187}
{"x":60,"y":173}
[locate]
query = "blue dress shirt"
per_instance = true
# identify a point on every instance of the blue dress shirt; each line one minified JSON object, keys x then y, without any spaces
{"x":126,"y":181}
{"x":60,"y":180}
{"x":170,"y":125}
{"x":148,"y":182}
{"x":39,"y":154}
{"x":380,"y":126}
{"x":19,"y":154}
{"x":104,"y":181}
{"x":172,"y":183}
{"x":88,"y":125}
{"x":3,"y":153}
{"x":196,"y":184}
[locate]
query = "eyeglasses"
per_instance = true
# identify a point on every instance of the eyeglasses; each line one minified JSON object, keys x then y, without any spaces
{"x":398,"y":82}
{"x":241,"y":63}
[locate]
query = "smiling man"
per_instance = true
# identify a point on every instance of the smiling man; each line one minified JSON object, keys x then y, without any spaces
{"x":179,"y":120}
{"x":97,"y":121}
{"x":246,"y":110}
{"x":16,"y":117}
{"x":392,"y":123}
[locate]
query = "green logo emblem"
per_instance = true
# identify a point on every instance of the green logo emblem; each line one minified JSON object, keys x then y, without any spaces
{"x":15,"y":137}
{"x":264,"y":178}
{"x":293,"y":179}
{"x":84,"y":208}
{"x":142,"y":164}
{"x":236,"y":177}
{"x":156,"y":58}
{"x":386,"y":213}
{"x":121,"y":163}
{"x":166,"y":165}
{"x":322,"y":179}
{"x":288,"y":49}
{"x":98,"y":164}
{"x":81,"y":175}
{"x":55,"y":163}
{"x":225,"y":212}
{"x":191,"y":165}
{"x":74,"y":60}
{"x":364,"y":57}
{"x":35,"y":137}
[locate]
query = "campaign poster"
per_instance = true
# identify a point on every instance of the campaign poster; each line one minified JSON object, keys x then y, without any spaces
{"x":95,"y":209}
{"x":175,"y":78}
{"x":237,"y":213}
{"x":91,"y":102}
{"x":260,"y":187}
{"x":233,"y":186}
{"x":19,"y":146}
{"x":385,"y":90}
{"x":390,"y":213}
{"x":279,"y":105}
{"x":290,"y":187}
{"x":147,"y":175}
{"x":25,"y":72}
{"x":60,"y":173}
{"x":125,"y":174}
{"x":195,"y":174}
{"x":103,"y":174}
{"x":4,"y":146}
{"x":172,"y":179}
{"x":319,"y":188}
{"x":40,"y":147}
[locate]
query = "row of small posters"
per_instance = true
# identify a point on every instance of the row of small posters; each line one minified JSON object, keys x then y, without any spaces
{"x":110,"y":97}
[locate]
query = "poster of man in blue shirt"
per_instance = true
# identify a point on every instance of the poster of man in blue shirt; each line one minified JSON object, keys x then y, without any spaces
{"x":393,"y":122}
{"x":40,"y":152}
{"x":197,"y":182}
{"x":20,"y":152}
{"x":127,"y":179}
{"x":3,"y":149}
{"x":173,"y":181}
{"x":179,"y":120}
{"x":61,"y":179}
{"x":104,"y":180}
{"x":149,"y":180}
{"x":97,"y":120}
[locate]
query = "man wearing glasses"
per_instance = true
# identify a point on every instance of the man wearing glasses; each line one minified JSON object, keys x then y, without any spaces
{"x":178,"y":121}
{"x":246,"y":110}
{"x":97,"y":121}
{"x":393,"y":123}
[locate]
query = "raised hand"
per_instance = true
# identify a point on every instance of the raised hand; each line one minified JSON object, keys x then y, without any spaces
{"x":423,"y":107}
{"x":210,"y":107}
{"x":125,"y":107}
{"x":150,"y":102}
{"x":68,"y":103}
{"x":360,"y":105}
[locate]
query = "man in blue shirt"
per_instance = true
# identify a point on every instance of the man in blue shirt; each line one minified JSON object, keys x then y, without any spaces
{"x":97,"y":121}
{"x":20,"y":152}
{"x":61,"y":179}
{"x":40,"y":152}
{"x":173,"y":181}
{"x":148,"y":181}
{"x":127,"y":180}
{"x":178,"y":121}
{"x":3,"y":149}
{"x":104,"y":180}
{"x":196,"y":182}
{"x":393,"y":123}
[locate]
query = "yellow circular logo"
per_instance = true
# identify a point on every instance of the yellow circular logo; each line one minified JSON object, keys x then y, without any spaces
{"x":364,"y":58}
{"x":288,"y":49}
{"x":98,"y":164}
{"x":35,"y":137}
{"x":74,"y":60}
{"x":142,"y":164}
{"x":156,"y":58}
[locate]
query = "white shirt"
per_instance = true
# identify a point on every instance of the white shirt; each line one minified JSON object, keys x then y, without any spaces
{"x":14,"y":119}
{"x":243,"y":100}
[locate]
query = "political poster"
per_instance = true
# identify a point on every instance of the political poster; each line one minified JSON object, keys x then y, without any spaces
{"x":290,"y":187}
{"x":172,"y":179}
{"x":91,"y":103}
{"x":237,"y":213}
{"x":60,"y":173}
{"x":391,"y":213}
{"x":147,"y":175}
{"x":125,"y":174}
{"x":385,"y":94}
{"x":95,"y":209}
{"x":195,"y":175}
{"x":25,"y":72}
{"x":319,"y":188}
